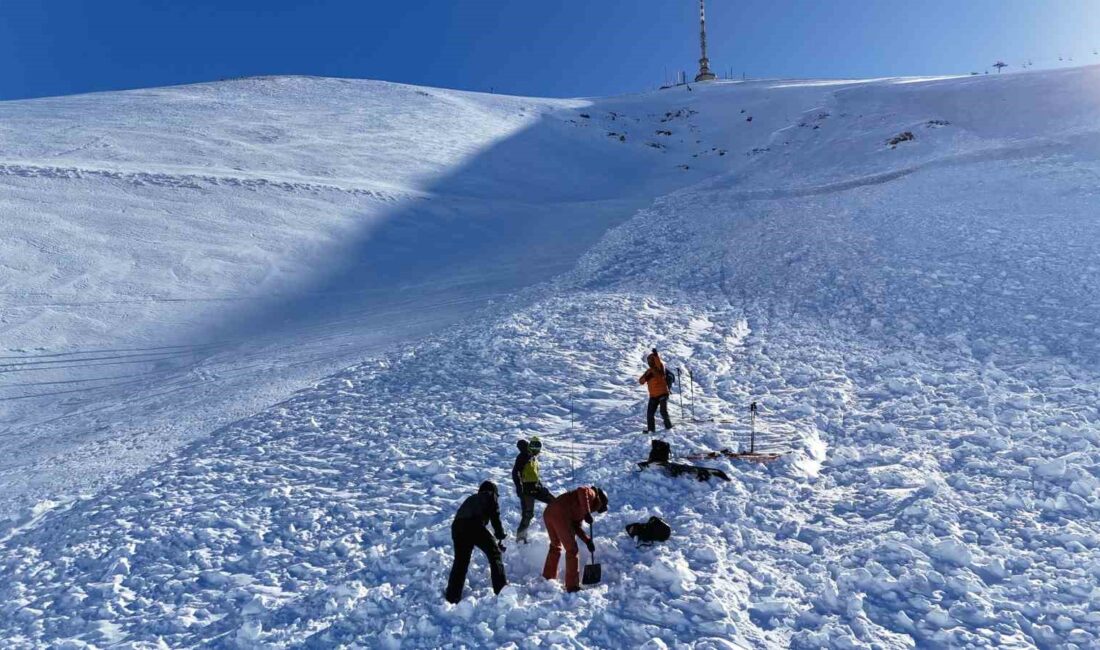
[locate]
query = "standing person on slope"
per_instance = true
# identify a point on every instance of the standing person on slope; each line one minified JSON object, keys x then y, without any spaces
{"x":529,"y":488}
{"x":563,"y":520}
{"x":655,"y":380}
{"x":468,"y":530}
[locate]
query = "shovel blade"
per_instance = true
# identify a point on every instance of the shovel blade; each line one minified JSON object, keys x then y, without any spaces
{"x":593,"y":573}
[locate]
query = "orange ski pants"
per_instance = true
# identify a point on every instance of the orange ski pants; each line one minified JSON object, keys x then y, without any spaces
{"x":560,"y":529}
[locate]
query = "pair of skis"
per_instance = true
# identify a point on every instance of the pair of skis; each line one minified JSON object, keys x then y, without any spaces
{"x":750,"y":456}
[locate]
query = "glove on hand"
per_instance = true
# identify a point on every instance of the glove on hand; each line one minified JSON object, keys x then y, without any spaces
{"x":591,"y":546}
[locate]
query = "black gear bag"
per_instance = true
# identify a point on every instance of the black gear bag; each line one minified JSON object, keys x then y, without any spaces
{"x":654,"y":530}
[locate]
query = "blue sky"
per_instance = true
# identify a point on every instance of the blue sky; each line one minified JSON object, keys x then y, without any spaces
{"x":549,"y":48}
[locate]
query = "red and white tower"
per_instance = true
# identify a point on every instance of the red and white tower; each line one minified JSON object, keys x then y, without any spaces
{"x":704,"y":64}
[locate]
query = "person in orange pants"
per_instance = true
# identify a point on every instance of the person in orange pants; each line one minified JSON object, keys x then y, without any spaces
{"x":563,"y":520}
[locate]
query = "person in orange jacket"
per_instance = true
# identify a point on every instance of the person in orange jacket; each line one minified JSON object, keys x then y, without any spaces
{"x":563,"y":520}
{"x":654,"y":379}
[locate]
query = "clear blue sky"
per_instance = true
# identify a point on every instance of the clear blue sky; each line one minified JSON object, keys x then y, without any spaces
{"x":537,"y":47}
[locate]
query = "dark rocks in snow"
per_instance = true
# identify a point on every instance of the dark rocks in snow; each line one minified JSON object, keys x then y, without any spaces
{"x":614,"y":116}
{"x":678,"y":113}
{"x":905,"y":136}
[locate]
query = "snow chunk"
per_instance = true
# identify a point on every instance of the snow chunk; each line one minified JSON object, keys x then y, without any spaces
{"x":674,"y":573}
{"x":1051,"y":470}
{"x":952,"y":552}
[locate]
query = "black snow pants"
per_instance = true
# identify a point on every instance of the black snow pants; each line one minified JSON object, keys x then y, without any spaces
{"x":529,"y":494}
{"x":466,"y":534}
{"x":651,"y":412}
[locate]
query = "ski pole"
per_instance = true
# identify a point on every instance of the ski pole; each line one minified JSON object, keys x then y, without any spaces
{"x":572,"y":441}
{"x":679,"y":379}
{"x":691,"y":380}
{"x":752,"y":428}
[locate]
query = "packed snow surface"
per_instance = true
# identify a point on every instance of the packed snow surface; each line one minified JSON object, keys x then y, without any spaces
{"x":904,"y":274}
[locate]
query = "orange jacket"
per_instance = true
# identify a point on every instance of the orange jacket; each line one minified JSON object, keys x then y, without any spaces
{"x":654,"y":378}
{"x":575,"y":507}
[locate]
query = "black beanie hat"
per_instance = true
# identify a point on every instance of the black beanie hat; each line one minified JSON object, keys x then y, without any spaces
{"x":602,"y":496}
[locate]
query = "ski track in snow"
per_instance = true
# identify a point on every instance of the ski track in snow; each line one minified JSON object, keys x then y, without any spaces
{"x":917,"y":324}
{"x":189,"y":181}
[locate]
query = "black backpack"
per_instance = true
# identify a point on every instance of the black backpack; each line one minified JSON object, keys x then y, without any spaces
{"x":670,"y":379}
{"x":659,"y":452}
{"x":654,"y":530}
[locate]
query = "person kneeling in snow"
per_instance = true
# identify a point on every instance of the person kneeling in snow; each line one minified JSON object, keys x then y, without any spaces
{"x":468,"y":530}
{"x":656,"y":380}
{"x":529,"y":488}
{"x":563,"y":520}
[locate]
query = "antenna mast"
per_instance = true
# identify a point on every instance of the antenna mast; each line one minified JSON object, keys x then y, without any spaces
{"x":704,"y":64}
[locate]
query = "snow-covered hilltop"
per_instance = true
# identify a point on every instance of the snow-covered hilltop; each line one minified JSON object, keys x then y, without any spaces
{"x":902,"y":273}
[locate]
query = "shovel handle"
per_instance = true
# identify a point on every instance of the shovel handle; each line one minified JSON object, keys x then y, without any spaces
{"x":592,"y":536}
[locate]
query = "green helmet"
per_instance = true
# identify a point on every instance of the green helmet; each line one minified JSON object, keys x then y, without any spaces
{"x":534,"y":446}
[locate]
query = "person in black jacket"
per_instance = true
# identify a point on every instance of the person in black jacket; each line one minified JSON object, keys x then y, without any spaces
{"x":529,"y":488}
{"x":468,"y":530}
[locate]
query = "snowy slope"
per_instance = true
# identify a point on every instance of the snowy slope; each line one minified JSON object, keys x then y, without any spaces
{"x":917,"y":322}
{"x":175,"y":259}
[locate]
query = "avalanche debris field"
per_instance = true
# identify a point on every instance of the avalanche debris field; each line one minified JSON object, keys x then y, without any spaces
{"x":259,"y":338}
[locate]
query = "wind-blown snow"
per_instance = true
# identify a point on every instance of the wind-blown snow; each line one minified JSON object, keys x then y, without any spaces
{"x":917,"y":321}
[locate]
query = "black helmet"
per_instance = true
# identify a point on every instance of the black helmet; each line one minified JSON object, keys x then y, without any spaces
{"x":602,"y":497}
{"x":488,"y":486}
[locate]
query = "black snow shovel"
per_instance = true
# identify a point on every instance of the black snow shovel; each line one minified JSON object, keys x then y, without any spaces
{"x":593,"y":572}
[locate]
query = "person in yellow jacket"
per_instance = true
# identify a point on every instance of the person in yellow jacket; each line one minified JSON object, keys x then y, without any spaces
{"x":529,"y":487}
{"x":657,"y":384}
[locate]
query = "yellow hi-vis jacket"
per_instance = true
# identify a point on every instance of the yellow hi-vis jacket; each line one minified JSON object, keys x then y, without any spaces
{"x":530,"y":473}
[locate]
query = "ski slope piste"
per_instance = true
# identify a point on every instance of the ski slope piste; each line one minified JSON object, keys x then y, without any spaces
{"x":261,"y":338}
